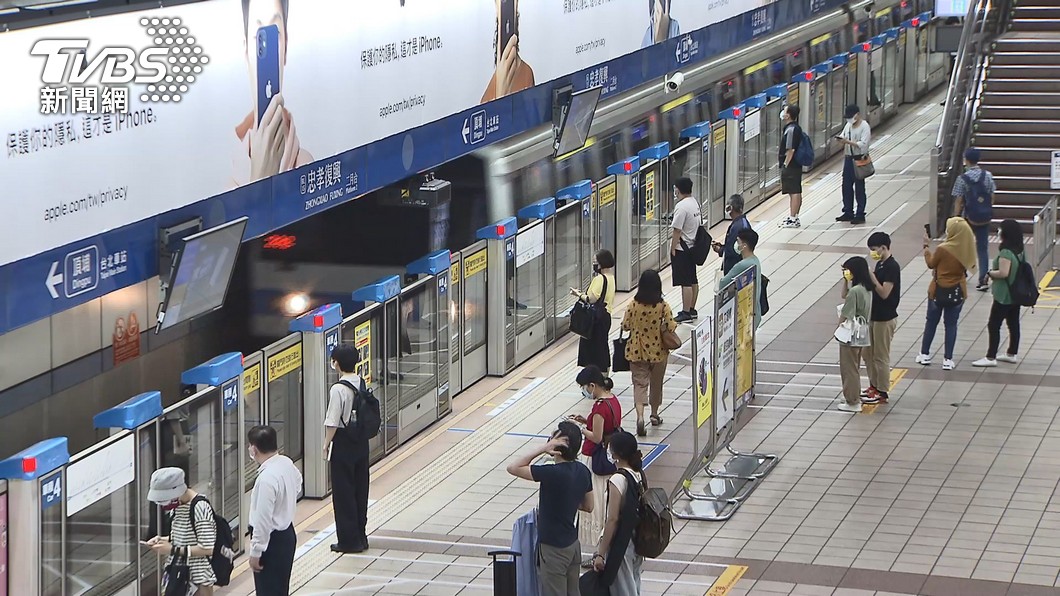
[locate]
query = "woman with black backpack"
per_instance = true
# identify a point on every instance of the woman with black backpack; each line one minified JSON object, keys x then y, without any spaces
{"x":594,"y":351}
{"x":617,"y":564}
{"x":1004,"y":309}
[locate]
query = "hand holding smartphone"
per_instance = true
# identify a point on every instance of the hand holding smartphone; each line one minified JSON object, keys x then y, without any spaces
{"x":508,"y":26}
{"x":267,"y":49}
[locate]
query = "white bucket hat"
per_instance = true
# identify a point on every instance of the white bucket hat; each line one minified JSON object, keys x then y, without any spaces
{"x":167,"y":484}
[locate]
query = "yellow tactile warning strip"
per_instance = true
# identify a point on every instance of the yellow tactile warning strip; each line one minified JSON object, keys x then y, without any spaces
{"x":727,"y":580}
{"x":1048,"y":293}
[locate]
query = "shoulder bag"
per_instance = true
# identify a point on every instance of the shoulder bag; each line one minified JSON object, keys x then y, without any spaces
{"x":176,"y":578}
{"x":670,"y":339}
{"x":863,"y":167}
{"x":619,"y":363}
{"x":947,"y":296}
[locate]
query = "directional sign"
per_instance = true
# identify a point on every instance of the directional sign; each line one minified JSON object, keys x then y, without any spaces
{"x":1054,"y":176}
{"x":687,"y":49}
{"x":474,"y":130}
{"x":51,"y":490}
{"x":331,"y":339}
{"x":80,"y":272}
{"x":230,"y":394}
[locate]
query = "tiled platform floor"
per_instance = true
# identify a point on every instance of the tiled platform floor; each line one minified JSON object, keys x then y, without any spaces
{"x":949,"y":489}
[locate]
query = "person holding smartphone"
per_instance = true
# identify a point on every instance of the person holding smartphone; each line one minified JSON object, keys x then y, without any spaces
{"x":595,"y":351}
{"x":268,"y":141}
{"x":855,"y":139}
{"x":661,"y":25}
{"x":512,"y":74}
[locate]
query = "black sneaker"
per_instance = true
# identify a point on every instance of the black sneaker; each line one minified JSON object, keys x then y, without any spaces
{"x":683,"y":317}
{"x":844,"y":217}
{"x":695,"y":315}
{"x":982,"y":287}
{"x":857,"y":221}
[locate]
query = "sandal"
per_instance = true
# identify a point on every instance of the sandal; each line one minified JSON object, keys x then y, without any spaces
{"x":640,"y":429}
{"x":655,"y":420}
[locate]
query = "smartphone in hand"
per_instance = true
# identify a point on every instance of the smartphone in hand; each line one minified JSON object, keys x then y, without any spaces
{"x":267,"y":43}
{"x":508,"y":26}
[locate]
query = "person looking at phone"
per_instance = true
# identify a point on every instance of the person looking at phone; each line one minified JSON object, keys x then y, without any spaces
{"x":730,"y":251}
{"x":192,"y":532}
{"x":268,"y":141}
{"x":661,"y":26}
{"x":512,"y":74}
{"x":855,"y":140}
{"x":595,"y":351}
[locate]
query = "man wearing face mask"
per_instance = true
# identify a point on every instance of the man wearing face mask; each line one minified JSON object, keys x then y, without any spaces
{"x":747,"y":240}
{"x":730,"y":251}
{"x":855,"y":140}
{"x":272,"y":507}
{"x":348,"y":453}
{"x":887,"y":278}
{"x":790,"y":171}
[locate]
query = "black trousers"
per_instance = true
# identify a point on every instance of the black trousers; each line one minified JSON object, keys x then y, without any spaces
{"x":349,"y":482}
{"x":1003,"y":313}
{"x":274,"y":579}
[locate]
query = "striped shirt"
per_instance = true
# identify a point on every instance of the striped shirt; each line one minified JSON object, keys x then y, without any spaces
{"x":203,"y":533}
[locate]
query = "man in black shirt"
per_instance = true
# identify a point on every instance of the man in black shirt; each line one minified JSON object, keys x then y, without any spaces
{"x":790,"y":171}
{"x":566,"y":487}
{"x":730,"y":255}
{"x":888,"y":280}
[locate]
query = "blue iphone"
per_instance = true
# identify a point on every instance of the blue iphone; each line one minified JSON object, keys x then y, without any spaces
{"x":268,"y":53}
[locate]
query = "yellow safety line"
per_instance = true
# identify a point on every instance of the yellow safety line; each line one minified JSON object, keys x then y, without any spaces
{"x":897,"y":374}
{"x":727,"y":580}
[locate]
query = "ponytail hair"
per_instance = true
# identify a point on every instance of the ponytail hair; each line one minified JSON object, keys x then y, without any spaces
{"x":592,"y":375}
{"x":624,"y":447}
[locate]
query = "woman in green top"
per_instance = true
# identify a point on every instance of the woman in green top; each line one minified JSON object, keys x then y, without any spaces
{"x":857,"y":304}
{"x":1003,"y":273}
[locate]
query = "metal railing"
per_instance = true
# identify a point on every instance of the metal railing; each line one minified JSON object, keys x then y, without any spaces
{"x":983,"y":22}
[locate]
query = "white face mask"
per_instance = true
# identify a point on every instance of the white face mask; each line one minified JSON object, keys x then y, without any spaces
{"x":586,"y":393}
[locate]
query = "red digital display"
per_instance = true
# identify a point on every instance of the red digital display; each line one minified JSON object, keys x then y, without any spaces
{"x":280,"y":242}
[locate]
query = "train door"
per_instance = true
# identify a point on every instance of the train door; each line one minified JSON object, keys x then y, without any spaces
{"x":891,"y":60}
{"x":771,"y":129}
{"x":647,"y":233}
{"x":605,"y":191}
{"x":837,"y":100}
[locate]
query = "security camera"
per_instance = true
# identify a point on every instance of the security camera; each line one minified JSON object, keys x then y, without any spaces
{"x":870,"y":7}
{"x":672,"y":83}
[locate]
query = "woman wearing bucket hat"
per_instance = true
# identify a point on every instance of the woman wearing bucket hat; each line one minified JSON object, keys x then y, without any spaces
{"x":855,"y":140}
{"x":192,"y":533}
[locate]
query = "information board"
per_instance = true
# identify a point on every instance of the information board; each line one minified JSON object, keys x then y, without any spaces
{"x":100,"y":474}
{"x":725,"y":379}
{"x":1054,"y":172}
{"x":745,"y":333}
{"x":703,"y":371}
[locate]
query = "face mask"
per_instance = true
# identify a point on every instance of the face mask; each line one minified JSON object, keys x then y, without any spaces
{"x":596,"y":267}
{"x":250,"y":452}
{"x":876,"y":256}
{"x":170,"y":506}
{"x":333,"y":366}
{"x":736,"y":247}
{"x":586,"y":393}
{"x":848,"y":275}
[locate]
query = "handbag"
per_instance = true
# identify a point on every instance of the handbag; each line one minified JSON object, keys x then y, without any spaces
{"x":176,"y":579}
{"x":853,"y":332}
{"x":584,"y":315}
{"x":592,"y":584}
{"x":670,"y":340}
{"x":618,"y":354}
{"x":863,"y":167}
{"x":600,"y":460}
{"x":946,"y":297}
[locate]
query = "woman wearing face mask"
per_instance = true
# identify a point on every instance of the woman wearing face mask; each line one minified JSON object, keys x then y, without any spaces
{"x":1003,"y":310}
{"x":604,"y":417}
{"x":951,"y":262}
{"x":857,"y":305}
{"x":192,"y":532}
{"x":645,"y":319}
{"x":617,"y":561}
{"x":855,"y":139}
{"x":594,"y":351}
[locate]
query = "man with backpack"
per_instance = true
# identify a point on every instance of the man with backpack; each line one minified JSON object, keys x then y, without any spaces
{"x":272,"y":507}
{"x":795,"y":149}
{"x":687,"y":244}
{"x":352,"y":419}
{"x":973,"y":192}
{"x":746,"y":241}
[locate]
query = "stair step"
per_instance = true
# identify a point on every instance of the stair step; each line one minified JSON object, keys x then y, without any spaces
{"x":1021,"y":85}
{"x":1003,"y":58}
{"x":1023,"y":71}
{"x":1039,"y":183}
{"x":1007,"y":98}
{"x":1025,"y":155}
{"x":1049,"y":113}
{"x":1031,"y":24}
{"x":1036,"y":12}
{"x":996,"y":140}
{"x":1018,"y":169}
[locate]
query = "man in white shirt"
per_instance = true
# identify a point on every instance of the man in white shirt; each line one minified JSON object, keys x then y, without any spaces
{"x":686,"y":222}
{"x":348,"y":452}
{"x":855,"y":140}
{"x":272,"y":506}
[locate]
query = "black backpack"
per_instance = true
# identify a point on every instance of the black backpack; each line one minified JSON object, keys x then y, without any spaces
{"x":369,"y":420}
{"x":222,"y":565}
{"x":1024,"y":289}
{"x":763,"y":299}
{"x":700,"y":249}
{"x":654,"y":519}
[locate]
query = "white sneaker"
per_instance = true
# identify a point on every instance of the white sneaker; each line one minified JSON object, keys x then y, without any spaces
{"x":789,"y":223}
{"x":845,"y":407}
{"x":1010,"y":358}
{"x":948,"y":364}
{"x":923,"y":359}
{"x":795,"y":222}
{"x":985,"y":363}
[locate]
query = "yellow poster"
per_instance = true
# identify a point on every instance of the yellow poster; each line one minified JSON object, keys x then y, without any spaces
{"x":793,"y":95}
{"x":607,"y":193}
{"x":745,"y":318}
{"x":362,"y":340}
{"x":719,"y":135}
{"x":649,"y":196}
{"x":284,"y":362}
{"x":704,"y":372}
{"x":474,"y":264}
{"x":454,"y":273}
{"x":252,"y":379}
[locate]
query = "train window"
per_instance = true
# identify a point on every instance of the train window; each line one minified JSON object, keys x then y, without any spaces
{"x":778,"y":70}
{"x":678,"y":115}
{"x":609,"y":153}
{"x":862,"y":31}
{"x":640,"y":135}
{"x":756,"y":78}
{"x":728,"y":95}
{"x":796,"y":64}
{"x":705,"y":106}
{"x":821,"y":49}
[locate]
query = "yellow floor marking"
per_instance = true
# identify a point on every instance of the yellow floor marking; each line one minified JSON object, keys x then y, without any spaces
{"x":869,"y":408}
{"x":727,"y":580}
{"x":1048,"y":293}
{"x":1043,"y":285}
{"x":897,"y":374}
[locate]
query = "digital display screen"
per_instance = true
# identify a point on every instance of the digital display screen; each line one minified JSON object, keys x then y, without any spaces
{"x":202,"y":273}
{"x":575,"y":129}
{"x":951,"y":8}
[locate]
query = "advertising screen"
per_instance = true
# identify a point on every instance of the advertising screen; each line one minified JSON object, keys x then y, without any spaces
{"x":575,"y":128}
{"x":951,"y":8}
{"x":201,"y":273}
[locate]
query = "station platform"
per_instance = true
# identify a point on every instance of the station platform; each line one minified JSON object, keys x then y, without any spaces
{"x":948,"y":489}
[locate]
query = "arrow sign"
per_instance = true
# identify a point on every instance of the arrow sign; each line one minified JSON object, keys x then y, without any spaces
{"x":54,"y":279}
{"x":466,"y":131}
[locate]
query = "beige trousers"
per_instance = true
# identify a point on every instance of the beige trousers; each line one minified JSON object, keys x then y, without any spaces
{"x":647,"y":382}
{"x":878,"y":355}
{"x":850,"y":372}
